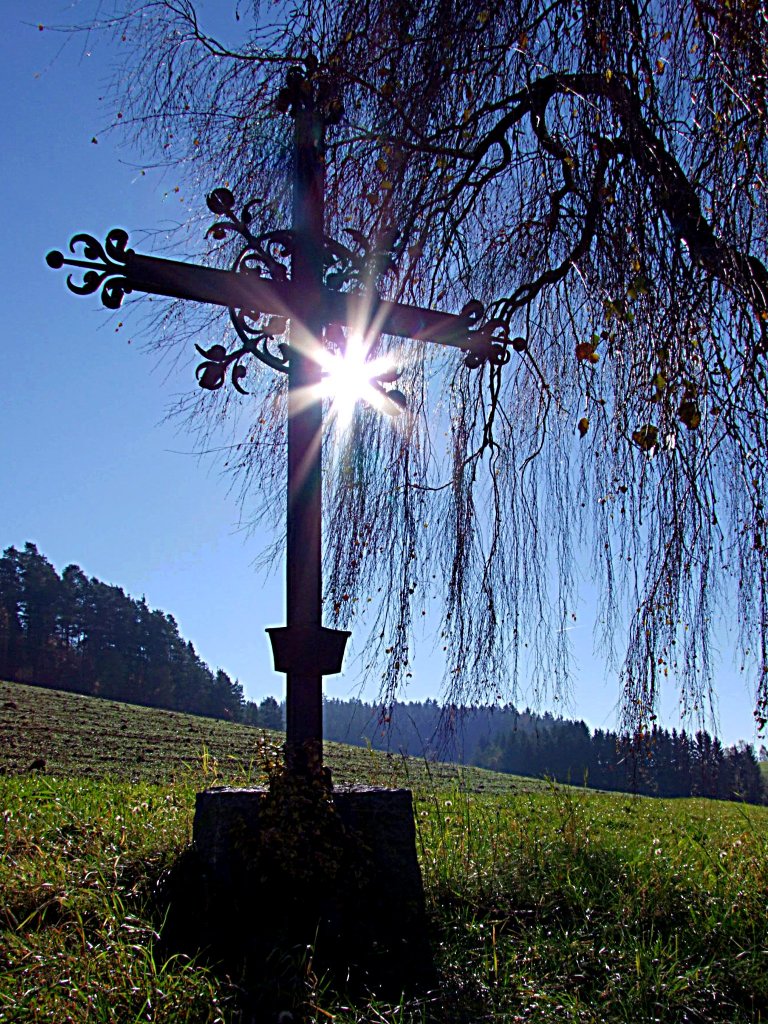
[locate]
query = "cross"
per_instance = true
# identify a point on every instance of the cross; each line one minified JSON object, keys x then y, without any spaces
{"x":321,"y":287}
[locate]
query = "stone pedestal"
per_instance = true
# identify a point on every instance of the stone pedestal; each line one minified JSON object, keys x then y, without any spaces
{"x":344,"y":887}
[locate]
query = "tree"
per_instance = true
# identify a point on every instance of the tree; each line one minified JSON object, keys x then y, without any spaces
{"x":270,"y":714}
{"x":595,"y":174}
{"x":38,"y":609}
{"x":11,"y":627}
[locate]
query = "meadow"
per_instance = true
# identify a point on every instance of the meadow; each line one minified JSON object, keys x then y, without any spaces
{"x":545,"y":903}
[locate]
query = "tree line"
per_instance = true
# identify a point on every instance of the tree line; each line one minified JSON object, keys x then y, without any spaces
{"x":657,"y":762}
{"x":77,"y":633}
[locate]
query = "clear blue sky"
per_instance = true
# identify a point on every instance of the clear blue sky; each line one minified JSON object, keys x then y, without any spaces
{"x":88,"y":469}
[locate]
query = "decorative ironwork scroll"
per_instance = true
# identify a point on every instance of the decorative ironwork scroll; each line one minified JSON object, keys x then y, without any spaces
{"x":497,"y":354}
{"x":348,"y":270}
{"x":104,"y":266}
{"x":265,"y":255}
{"x":268,"y":255}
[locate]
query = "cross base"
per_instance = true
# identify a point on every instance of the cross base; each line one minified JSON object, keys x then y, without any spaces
{"x":338,"y":882}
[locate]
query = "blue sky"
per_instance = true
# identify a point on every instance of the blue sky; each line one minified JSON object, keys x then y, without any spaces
{"x":89,"y":469}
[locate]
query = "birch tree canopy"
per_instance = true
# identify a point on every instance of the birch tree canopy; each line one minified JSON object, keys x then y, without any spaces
{"x":593,"y":174}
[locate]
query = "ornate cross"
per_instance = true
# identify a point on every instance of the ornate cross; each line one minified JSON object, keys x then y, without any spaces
{"x":322,"y":287}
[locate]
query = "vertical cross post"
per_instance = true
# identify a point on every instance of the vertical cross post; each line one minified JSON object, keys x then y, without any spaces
{"x":304,"y":517}
{"x":304,"y":649}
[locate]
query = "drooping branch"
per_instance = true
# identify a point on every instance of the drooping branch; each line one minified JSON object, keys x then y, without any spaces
{"x":675,"y":194}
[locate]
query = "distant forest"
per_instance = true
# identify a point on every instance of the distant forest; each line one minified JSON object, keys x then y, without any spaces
{"x":74,"y":633}
{"x":659,"y":763}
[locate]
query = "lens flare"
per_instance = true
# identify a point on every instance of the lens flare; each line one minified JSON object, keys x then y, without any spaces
{"x":350,"y":376}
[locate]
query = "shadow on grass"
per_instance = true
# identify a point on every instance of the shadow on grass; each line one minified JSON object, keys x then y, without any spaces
{"x":282,"y":943}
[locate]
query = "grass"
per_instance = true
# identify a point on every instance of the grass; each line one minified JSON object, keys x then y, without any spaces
{"x":67,"y":734}
{"x":588,"y":907}
{"x":547,"y":905}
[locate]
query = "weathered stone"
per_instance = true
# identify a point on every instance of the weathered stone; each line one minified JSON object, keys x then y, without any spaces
{"x":359,"y":904}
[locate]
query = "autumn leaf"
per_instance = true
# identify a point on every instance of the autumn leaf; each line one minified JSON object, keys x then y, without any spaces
{"x":689,"y":413}
{"x":639,"y":286}
{"x":585,"y":352}
{"x":646,"y":437}
{"x":583,"y":426}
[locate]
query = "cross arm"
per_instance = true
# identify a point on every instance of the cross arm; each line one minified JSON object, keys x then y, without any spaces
{"x":115,"y":271}
{"x":178,"y":280}
{"x":458,"y":330}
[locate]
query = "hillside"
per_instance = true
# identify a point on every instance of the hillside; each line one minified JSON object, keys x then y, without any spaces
{"x":68,"y":734}
{"x":546,"y":903}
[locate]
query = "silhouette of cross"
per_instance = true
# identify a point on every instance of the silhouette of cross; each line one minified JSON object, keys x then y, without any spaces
{"x":322,"y":287}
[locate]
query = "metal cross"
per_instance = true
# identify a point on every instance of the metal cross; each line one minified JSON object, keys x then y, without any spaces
{"x":321,"y":286}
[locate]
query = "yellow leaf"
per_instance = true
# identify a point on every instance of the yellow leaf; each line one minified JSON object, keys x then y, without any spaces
{"x":583,"y":426}
{"x":646,"y":437}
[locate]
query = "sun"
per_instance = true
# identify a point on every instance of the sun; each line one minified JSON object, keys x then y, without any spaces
{"x":350,"y":376}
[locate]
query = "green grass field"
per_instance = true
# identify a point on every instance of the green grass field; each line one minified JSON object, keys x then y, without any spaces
{"x":69,"y":735}
{"x":546,"y":903}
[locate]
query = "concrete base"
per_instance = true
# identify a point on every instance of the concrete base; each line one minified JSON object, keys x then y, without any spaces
{"x":342,"y":881}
